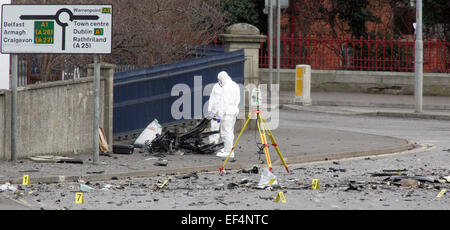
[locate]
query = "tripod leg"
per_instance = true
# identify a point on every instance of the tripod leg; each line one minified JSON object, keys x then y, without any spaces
{"x":235,"y":143}
{"x":274,"y":143}
{"x":264,"y":141}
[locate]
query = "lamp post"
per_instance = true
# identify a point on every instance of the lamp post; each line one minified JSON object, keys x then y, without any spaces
{"x":269,"y":5}
{"x":418,"y":60}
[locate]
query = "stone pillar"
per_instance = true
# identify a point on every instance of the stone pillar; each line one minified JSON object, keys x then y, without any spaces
{"x":107,"y":75}
{"x":247,"y":37}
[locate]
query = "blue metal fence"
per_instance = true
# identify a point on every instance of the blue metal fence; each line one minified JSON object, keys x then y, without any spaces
{"x":146,"y":94}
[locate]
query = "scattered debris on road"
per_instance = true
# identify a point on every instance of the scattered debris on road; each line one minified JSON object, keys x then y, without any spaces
{"x":8,"y":187}
{"x":267,"y":179}
{"x":55,"y":159}
{"x":447,"y":178}
{"x":96,"y":172}
{"x":337,"y":170}
{"x":123,"y":149}
{"x":187,"y":176}
{"x":149,"y":133}
{"x":85,"y":188}
{"x":254,"y":170}
{"x":161,"y":162}
{"x":390,"y":172}
{"x":403,"y":177}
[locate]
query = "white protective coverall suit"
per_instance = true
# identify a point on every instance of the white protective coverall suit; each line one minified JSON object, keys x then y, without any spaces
{"x":228,"y":111}
{"x":213,"y":110}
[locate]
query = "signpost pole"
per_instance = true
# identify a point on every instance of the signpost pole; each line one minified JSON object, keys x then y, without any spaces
{"x":96,"y":108}
{"x":14,"y":107}
{"x":278,"y":41}
{"x":270,"y":43}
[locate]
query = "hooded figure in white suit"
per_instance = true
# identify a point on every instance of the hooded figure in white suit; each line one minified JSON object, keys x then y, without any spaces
{"x":228,"y":109}
{"x":213,"y":111}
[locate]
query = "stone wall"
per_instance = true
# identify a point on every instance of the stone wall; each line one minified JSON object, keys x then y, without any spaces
{"x":55,"y":118}
{"x":434,"y":84}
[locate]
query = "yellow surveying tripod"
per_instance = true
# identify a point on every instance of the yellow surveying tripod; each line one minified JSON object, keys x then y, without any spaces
{"x":262,"y":128}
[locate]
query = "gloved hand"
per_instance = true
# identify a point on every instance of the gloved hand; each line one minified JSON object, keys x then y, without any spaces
{"x":210,"y":116}
{"x":217,"y":118}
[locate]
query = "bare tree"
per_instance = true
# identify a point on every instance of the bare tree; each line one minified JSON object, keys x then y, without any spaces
{"x":147,"y":32}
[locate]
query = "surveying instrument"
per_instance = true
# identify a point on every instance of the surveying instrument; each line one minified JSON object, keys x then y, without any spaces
{"x":262,"y":129}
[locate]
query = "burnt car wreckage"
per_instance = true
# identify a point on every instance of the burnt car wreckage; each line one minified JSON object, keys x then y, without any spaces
{"x":191,"y":141}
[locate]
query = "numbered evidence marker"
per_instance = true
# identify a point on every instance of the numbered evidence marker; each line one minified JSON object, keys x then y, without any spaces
{"x":315,"y":184}
{"x":79,"y":199}
{"x":26,"y":180}
{"x":280,"y":195}
{"x":443,"y":191}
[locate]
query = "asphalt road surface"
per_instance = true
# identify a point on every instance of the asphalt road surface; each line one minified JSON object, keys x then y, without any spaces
{"x":350,"y":184}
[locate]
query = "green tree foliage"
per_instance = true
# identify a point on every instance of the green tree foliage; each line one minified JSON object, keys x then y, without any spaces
{"x":241,"y":11}
{"x":355,"y":14}
{"x":436,"y":14}
{"x":435,"y":17}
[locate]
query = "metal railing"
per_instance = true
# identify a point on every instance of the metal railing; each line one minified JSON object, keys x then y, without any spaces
{"x":365,"y":54}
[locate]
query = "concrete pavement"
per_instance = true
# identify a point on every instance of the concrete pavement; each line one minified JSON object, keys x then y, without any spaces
{"x":297,"y":146}
{"x":434,"y":107}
